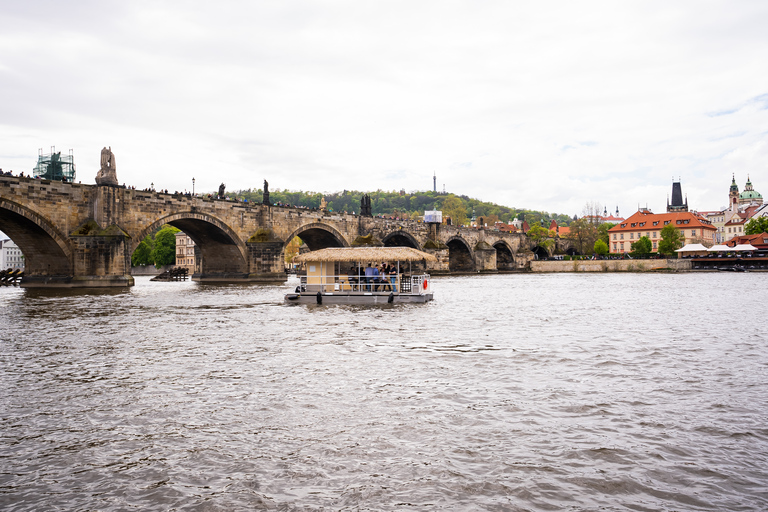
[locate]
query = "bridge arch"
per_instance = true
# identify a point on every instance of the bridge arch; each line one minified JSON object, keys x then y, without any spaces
{"x":401,"y":239}
{"x":46,"y":250}
{"x":541,"y":252}
{"x":460,"y":256}
{"x":505,"y":257}
{"x":317,"y":236}
{"x":221,"y":249}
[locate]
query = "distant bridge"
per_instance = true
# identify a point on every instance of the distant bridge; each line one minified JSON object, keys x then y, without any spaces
{"x":84,"y":235}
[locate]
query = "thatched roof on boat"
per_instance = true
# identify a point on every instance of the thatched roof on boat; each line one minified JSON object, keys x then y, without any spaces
{"x":362,"y":254}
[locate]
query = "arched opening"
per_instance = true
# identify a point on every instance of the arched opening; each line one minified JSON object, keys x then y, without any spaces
{"x":317,"y":236}
{"x":219,"y":253}
{"x":459,"y":256}
{"x":405,"y":239}
{"x":571,"y":251}
{"x":400,"y":239}
{"x":46,"y":251}
{"x":505,"y":260}
{"x":540,"y":252}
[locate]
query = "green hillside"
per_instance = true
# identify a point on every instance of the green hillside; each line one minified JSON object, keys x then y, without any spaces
{"x":402,"y":204}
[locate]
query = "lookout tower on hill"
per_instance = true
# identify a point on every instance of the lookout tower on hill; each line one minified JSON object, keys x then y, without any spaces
{"x":677,"y":204}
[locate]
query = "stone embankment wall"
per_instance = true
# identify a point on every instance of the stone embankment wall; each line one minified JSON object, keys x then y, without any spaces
{"x":611,"y":265}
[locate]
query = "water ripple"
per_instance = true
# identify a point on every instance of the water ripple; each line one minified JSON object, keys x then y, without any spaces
{"x":517,"y":392}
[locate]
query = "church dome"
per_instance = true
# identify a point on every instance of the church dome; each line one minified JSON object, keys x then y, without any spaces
{"x":750,"y":194}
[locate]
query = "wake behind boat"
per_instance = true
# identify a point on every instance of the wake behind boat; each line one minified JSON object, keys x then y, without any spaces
{"x":348,"y":275}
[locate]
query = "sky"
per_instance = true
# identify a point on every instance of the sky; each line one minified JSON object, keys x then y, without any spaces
{"x":542,"y":105}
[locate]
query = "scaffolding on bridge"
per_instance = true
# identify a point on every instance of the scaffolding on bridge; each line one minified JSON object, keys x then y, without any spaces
{"x":53,"y":166}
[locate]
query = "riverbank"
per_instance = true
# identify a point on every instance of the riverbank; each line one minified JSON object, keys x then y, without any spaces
{"x":669,"y":265}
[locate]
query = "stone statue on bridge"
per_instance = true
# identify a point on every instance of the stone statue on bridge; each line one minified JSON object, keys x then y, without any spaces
{"x":365,"y":206}
{"x":107,"y":174}
{"x":222,"y":188}
{"x":265,"y":195}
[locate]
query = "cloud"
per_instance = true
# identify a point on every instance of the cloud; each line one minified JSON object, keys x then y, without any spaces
{"x":550,"y":105}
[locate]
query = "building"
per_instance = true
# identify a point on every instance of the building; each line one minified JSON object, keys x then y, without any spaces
{"x":738,"y":221}
{"x":750,"y":195}
{"x":677,"y":204}
{"x":185,"y":252}
{"x":693,"y":228}
{"x":10,"y":255}
{"x":561,"y":231}
{"x":759,"y":241}
{"x":605,"y":217}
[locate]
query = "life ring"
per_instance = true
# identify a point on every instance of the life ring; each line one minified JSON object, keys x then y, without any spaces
{"x":424,"y":284}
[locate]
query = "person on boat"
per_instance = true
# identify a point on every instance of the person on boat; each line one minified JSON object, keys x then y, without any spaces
{"x":393,"y":277}
{"x":353,"y":276}
{"x":376,"y":278}
{"x":369,"y":277}
{"x":383,"y":279}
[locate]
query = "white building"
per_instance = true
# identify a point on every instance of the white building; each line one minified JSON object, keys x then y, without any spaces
{"x":10,"y":255}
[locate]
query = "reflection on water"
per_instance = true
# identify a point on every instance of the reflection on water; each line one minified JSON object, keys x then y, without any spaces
{"x":515,"y":392}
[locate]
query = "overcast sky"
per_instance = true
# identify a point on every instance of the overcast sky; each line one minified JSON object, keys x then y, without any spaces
{"x":540,"y":105}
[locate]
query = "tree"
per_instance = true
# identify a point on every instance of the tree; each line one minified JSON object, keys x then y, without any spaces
{"x":642,"y":246}
{"x":164,"y":252}
{"x":542,"y":237}
{"x":601,"y":247}
{"x":292,"y":250}
{"x":756,"y":225}
{"x":583,"y":233}
{"x":539,"y":234}
{"x":670,"y":240}
{"x":143,"y":253}
{"x":602,"y":231}
{"x":455,"y":208}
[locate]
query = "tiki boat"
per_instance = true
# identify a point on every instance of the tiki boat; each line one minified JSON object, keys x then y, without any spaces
{"x":338,"y":276}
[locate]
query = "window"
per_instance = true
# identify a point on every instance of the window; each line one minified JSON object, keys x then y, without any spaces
{"x":654,"y":234}
{"x":622,"y":237}
{"x":631,"y":236}
{"x":654,"y":244}
{"x":666,"y":222}
{"x":642,"y":224}
{"x":693,"y":232}
{"x":614,"y":245}
{"x":655,"y":223}
{"x":622,"y":245}
{"x":634,"y":224}
{"x":614,"y":237}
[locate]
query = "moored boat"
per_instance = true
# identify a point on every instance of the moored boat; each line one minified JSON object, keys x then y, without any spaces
{"x":347,"y":275}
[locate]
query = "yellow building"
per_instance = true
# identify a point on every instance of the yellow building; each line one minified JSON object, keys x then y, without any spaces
{"x":185,"y":252}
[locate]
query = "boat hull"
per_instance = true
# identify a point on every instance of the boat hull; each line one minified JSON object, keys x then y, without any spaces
{"x":362,"y":299}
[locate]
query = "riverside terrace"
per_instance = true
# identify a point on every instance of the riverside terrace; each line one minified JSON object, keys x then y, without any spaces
{"x":78,"y":235}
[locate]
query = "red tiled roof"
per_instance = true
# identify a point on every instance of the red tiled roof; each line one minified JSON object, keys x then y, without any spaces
{"x":760,"y":240}
{"x":644,"y":220}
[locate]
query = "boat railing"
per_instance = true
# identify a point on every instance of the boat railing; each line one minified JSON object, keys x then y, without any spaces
{"x":401,"y":283}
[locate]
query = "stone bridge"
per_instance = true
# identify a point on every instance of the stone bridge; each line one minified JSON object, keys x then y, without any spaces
{"x":79,"y":235}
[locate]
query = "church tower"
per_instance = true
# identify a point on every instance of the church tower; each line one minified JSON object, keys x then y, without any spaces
{"x":677,"y":204}
{"x":733,"y":194}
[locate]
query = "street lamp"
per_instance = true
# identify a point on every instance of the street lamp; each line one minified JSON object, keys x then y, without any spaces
{"x":193,"y":186}
{"x":153,"y":186}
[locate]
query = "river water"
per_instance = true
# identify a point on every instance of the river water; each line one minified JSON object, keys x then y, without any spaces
{"x":515,"y":392}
